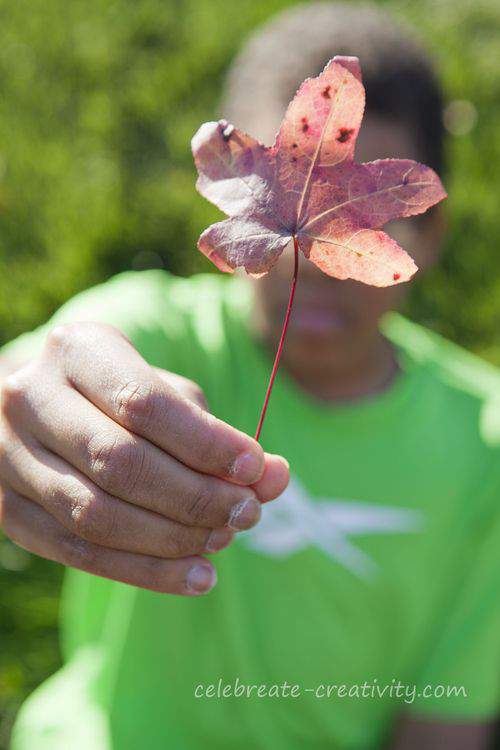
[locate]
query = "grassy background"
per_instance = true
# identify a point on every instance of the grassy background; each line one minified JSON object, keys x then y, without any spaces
{"x":99,"y":101}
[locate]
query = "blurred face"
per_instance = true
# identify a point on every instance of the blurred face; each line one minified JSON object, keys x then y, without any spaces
{"x":334,"y":324}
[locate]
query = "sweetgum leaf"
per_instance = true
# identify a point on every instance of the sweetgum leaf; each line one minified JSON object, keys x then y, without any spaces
{"x":308,"y":185}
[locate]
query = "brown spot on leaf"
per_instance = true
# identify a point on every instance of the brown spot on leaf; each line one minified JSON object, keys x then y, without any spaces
{"x":305,"y":124}
{"x":344,"y":134}
{"x":326,"y":92}
{"x":294,"y":158}
{"x":294,"y":145}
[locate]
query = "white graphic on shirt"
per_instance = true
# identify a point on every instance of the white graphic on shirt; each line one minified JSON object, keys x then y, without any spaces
{"x":295,"y":521}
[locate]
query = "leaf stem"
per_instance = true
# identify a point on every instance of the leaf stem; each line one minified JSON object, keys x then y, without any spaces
{"x":282,"y":338}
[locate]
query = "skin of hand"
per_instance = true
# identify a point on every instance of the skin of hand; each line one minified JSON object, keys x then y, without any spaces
{"x":116,"y":468}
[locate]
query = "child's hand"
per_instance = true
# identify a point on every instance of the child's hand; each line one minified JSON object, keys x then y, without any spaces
{"x":113,"y":467}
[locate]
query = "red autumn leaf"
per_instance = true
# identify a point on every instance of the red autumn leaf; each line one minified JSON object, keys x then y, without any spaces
{"x":307,"y":187}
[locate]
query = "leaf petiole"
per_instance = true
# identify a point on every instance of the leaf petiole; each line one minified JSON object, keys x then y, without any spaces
{"x":282,"y":338}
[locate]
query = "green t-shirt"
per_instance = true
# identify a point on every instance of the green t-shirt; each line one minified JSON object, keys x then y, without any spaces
{"x":379,"y":565}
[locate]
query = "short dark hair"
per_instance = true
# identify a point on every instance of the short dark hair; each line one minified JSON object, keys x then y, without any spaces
{"x":398,"y":73}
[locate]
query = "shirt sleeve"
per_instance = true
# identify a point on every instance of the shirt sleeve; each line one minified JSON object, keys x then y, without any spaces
{"x":137,"y":303}
{"x":460,"y":677}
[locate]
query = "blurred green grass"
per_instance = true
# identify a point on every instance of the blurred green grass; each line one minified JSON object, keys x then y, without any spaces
{"x":99,"y":101}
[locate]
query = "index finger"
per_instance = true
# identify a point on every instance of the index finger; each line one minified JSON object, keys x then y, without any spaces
{"x":104,"y":366}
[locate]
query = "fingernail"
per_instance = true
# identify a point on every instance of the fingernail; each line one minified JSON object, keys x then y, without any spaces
{"x":218,"y":539}
{"x":247,"y":468}
{"x":245,"y":514}
{"x":201,"y":579}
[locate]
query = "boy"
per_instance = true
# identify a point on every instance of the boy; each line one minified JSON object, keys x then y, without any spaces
{"x":363,"y":610}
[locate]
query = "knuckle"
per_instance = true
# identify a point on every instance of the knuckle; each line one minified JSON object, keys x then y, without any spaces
{"x":59,"y":337}
{"x":65,"y":335}
{"x":181,"y":542}
{"x":13,"y":392}
{"x":112,"y":459}
{"x":92,"y":518}
{"x":198,"y":396}
{"x":200,"y":503}
{"x":118,"y":464}
{"x":192,"y":391}
{"x":78,"y":553}
{"x":55,"y":496}
{"x":135,"y":404}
